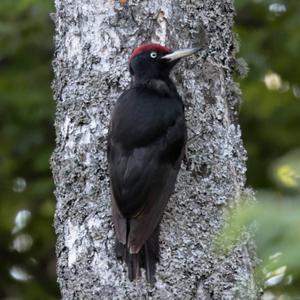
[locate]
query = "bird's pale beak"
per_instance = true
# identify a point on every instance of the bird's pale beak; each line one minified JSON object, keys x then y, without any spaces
{"x":180,"y":53}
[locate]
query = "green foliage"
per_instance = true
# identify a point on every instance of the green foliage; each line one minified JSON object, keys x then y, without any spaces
{"x":276,"y":216}
{"x":27,"y":140}
{"x":277,"y":239}
{"x":270,"y":43}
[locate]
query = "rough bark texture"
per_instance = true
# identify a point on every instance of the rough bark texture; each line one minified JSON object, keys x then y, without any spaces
{"x":94,"y":39}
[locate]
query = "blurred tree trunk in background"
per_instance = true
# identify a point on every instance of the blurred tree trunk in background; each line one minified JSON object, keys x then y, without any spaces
{"x":94,"y":40}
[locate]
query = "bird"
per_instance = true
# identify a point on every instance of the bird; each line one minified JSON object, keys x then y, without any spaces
{"x":146,"y":142}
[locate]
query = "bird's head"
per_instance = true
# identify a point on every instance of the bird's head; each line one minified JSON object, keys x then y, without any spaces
{"x":150,"y":61}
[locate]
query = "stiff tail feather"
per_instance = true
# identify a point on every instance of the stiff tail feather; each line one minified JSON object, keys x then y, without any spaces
{"x":146,"y":258}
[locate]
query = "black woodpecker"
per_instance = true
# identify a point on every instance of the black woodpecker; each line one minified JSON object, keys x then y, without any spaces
{"x":145,"y":147}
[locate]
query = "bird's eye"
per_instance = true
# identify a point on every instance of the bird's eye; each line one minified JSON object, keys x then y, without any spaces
{"x":153,"y":54}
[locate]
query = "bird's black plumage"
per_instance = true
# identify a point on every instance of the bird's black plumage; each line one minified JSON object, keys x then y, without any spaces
{"x":145,"y":147}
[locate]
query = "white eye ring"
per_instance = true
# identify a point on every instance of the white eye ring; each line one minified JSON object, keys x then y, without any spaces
{"x":153,"y":54}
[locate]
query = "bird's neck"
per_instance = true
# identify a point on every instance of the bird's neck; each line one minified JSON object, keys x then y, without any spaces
{"x":162,"y":86}
{"x":142,"y":80}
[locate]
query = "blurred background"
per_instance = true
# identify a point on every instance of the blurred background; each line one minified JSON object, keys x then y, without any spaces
{"x":269,"y":34}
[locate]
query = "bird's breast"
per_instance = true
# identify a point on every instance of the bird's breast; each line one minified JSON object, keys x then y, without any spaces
{"x":142,"y":116}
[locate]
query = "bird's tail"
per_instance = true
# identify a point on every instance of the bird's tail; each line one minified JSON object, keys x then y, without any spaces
{"x":146,"y":258}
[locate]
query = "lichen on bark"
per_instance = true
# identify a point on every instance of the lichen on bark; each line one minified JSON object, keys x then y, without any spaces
{"x":94,"y":39}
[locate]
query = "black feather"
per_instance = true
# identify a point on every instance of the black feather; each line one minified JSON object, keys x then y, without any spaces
{"x":145,"y":148}
{"x":146,"y":258}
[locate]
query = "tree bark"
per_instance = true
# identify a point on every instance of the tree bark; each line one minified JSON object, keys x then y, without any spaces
{"x":94,"y":39}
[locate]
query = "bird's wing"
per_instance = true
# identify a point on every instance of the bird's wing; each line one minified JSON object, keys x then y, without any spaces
{"x":143,"y":225}
{"x":142,"y":181}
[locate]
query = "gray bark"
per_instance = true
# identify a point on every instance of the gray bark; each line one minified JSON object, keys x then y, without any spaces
{"x":94,"y":39}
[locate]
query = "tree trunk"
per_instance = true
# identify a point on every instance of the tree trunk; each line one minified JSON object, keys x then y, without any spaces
{"x":94,"y":39}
